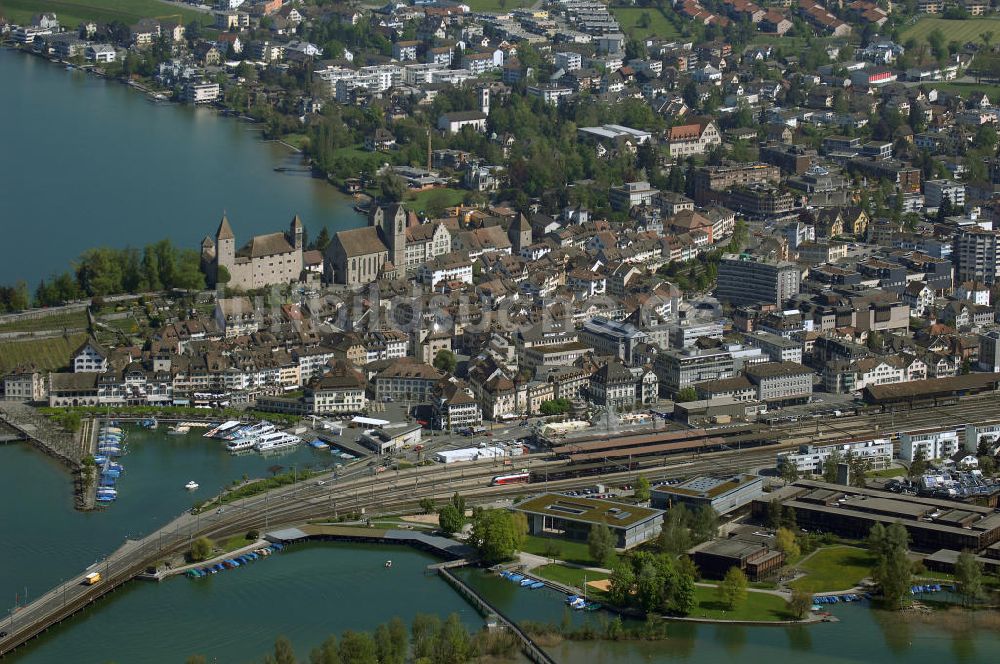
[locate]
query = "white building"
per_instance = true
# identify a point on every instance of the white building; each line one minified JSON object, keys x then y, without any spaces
{"x":201,"y":93}
{"x":936,"y":190}
{"x":810,"y":458}
{"x":934,"y":443}
{"x":102,"y":53}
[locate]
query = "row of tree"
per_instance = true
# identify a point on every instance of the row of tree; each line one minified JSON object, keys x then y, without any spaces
{"x":429,"y":640}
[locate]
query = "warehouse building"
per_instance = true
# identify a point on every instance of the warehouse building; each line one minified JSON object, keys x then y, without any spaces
{"x":571,"y":517}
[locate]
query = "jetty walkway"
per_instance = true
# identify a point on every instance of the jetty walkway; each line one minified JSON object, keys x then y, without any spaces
{"x":67,"y":447}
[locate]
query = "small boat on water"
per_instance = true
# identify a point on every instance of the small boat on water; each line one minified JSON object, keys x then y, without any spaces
{"x":178,"y":430}
{"x":191,"y":486}
{"x":149,"y":423}
{"x":388,"y":564}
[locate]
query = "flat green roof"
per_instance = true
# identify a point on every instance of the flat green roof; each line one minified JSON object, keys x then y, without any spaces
{"x":588,"y":510}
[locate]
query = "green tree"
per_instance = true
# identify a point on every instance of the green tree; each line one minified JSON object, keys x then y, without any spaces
{"x":322,"y":240}
{"x":283,"y":652}
{"x":453,"y":644}
{"x":800,"y":603}
{"x":919,"y":464}
{"x":450,"y":519}
{"x":201,"y":549}
{"x":969,"y":574}
{"x":427,"y":505}
{"x":893,"y":570}
{"x":733,"y":589}
{"x":555,"y":406}
{"x":682,"y":595}
{"x":601,"y":544}
{"x":642,"y":489}
{"x":686,"y":394}
{"x":445,"y":361}
{"x":494,"y":535}
{"x":830,"y":466}
{"x":785,"y":541}
{"x":789,"y":473}
{"x":326,"y":653}
{"x":675,"y":536}
{"x":357,"y":648}
{"x":621,"y":583}
{"x":398,"y":641}
{"x":704,"y":523}
{"x":222,"y":275}
{"x":424,"y":631}
{"x":392,"y":187}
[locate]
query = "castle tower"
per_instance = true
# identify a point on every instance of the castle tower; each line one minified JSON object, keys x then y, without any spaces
{"x":484,"y":100}
{"x":296,"y":233}
{"x":519,"y":233}
{"x":225,"y":244}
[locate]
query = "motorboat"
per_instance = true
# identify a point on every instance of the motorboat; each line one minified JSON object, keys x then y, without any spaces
{"x":178,"y":430}
{"x":388,"y":564}
{"x":250,"y":436}
{"x":191,"y":486}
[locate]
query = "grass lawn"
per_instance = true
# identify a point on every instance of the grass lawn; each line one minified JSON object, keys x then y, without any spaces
{"x":73,"y":12}
{"x":54,"y":322}
{"x":757,"y":606}
{"x":834,"y":568}
{"x":570,"y":576}
{"x":573,"y":552}
{"x":888,"y":472}
{"x":497,"y":6}
{"x":961,"y":31}
{"x":446,"y":196}
{"x":966,"y":89}
{"x":233,"y":543}
{"x":45,"y":353}
{"x":630,"y":17}
{"x":295,"y":140}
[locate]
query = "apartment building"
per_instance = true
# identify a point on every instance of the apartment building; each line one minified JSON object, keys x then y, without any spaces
{"x":745,"y":279}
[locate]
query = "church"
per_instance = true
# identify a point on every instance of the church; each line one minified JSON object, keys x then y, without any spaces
{"x":393,"y":242}
{"x":266,"y":260}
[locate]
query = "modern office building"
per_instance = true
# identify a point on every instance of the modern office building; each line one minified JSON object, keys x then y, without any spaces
{"x":745,"y":279}
{"x":571,"y":517}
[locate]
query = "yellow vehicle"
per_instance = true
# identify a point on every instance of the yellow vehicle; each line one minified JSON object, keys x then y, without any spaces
{"x":92,"y":579}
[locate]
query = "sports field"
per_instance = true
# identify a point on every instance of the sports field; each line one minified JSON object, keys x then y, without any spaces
{"x":962,"y":31}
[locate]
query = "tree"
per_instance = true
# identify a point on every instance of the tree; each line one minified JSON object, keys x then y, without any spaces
{"x":201,"y":549}
{"x":789,"y":473}
{"x":494,"y":535}
{"x":919,"y":464}
{"x":682,"y":593}
{"x":322,"y":240}
{"x":784,"y":539}
{"x":392,"y":187}
{"x":601,"y":544}
{"x":453,"y":644}
{"x":733,"y":589}
{"x":799,"y":604}
{"x":555,"y":406}
{"x":357,"y":648}
{"x":830,"y":466}
{"x":398,"y":640}
{"x":326,"y":653}
{"x":450,"y":519}
{"x":642,"y":489}
{"x":424,"y":632}
{"x":675,"y":537}
{"x":893,"y":570}
{"x":222,"y":275}
{"x":283,"y":652}
{"x":969,"y":574}
{"x":704,"y":523}
{"x":859,"y":467}
{"x":445,"y":361}
{"x":686,"y":394}
{"x":427,"y":505}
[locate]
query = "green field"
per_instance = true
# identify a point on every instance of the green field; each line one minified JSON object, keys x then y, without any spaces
{"x":630,"y":17}
{"x":966,"y":89}
{"x":448,"y":197}
{"x":73,"y":12}
{"x":573,"y":552}
{"x":45,"y":353}
{"x":763,"y":607}
{"x":570,"y":576}
{"x":55,"y":322}
{"x":834,"y":568}
{"x":958,"y":30}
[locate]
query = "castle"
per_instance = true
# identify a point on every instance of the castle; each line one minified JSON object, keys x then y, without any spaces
{"x":266,"y":260}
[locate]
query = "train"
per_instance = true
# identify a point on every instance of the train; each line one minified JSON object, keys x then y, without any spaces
{"x":522,"y":477}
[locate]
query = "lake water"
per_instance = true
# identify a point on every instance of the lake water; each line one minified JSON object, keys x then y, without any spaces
{"x":86,"y":162}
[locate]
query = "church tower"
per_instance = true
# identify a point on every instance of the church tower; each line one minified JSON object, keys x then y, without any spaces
{"x":296,"y":232}
{"x":394,"y":234}
{"x":484,"y":100}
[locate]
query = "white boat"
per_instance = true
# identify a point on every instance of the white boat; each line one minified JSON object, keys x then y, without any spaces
{"x":221,"y":429}
{"x":178,"y":430}
{"x":249,"y":438}
{"x":191,"y":486}
{"x":276,"y":440}
{"x":388,"y":564}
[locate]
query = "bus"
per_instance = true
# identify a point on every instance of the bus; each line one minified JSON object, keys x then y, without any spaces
{"x":522,"y":477}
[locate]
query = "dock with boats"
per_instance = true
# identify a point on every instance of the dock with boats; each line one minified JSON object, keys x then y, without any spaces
{"x":262,"y":437}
